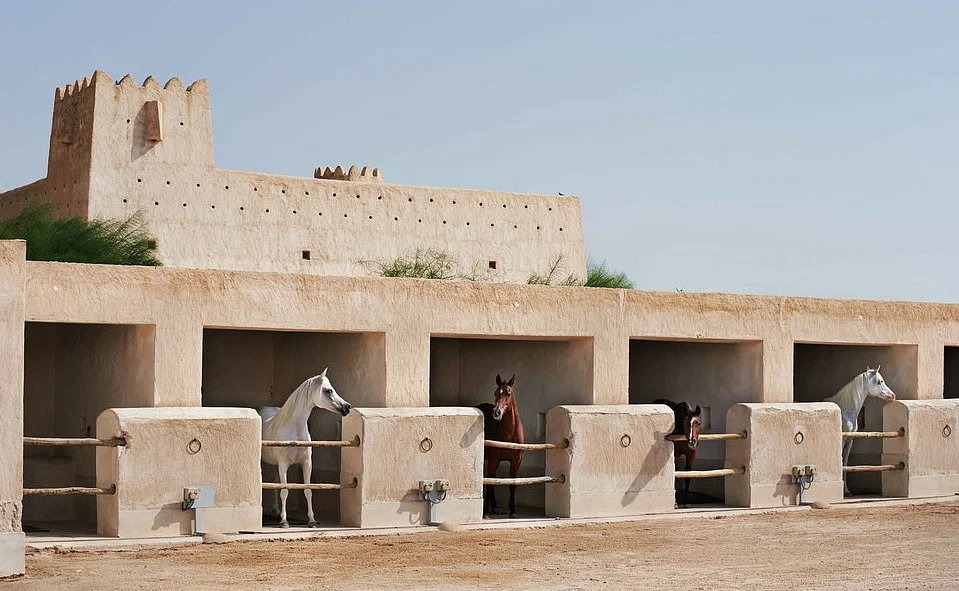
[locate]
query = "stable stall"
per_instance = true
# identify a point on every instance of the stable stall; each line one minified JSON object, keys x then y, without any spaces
{"x":72,"y":372}
{"x":549,"y":372}
{"x":257,"y":368}
{"x":712,"y":374}
{"x":820,"y":370}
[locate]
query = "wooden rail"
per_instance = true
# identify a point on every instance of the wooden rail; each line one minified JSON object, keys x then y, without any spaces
{"x":524,"y":446}
{"x":875,"y":434}
{"x":70,"y":490}
{"x":709,"y":436}
{"x":879,"y":468}
{"x":312,"y":486}
{"x":355,"y":442}
{"x":523,"y":481}
{"x":75,"y":441}
{"x":709,"y":473}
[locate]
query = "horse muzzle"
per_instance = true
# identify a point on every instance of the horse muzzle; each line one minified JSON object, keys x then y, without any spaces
{"x":345,"y":409}
{"x":498,"y":413}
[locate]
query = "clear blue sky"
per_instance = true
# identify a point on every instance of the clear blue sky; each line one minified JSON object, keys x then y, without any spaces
{"x":796,"y":148}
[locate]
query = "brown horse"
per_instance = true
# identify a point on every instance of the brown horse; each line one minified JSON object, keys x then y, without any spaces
{"x":502,"y":423}
{"x":687,"y":423}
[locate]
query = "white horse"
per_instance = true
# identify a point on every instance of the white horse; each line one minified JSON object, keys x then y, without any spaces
{"x":851,"y":398}
{"x":289,"y":423}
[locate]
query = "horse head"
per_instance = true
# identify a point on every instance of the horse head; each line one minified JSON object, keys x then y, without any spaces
{"x":691,"y":425}
{"x":323,"y":395}
{"x":503,"y":402}
{"x":876,"y":386}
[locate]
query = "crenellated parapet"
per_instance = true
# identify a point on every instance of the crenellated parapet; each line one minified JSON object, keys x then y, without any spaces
{"x":100,"y":77}
{"x":355,"y":173}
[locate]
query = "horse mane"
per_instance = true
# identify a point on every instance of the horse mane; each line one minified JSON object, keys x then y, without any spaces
{"x":293,"y":401}
{"x":850,"y":397}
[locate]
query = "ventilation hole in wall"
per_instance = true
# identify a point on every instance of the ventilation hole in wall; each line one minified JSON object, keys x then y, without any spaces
{"x":283,"y":191}
{"x":306,"y":255}
{"x":504,"y":206}
{"x":334,"y":194}
{"x":241,"y":208}
{"x":184,"y":205}
{"x":226,"y":187}
{"x":168,"y":182}
{"x":124,"y":200}
{"x":198,"y":185}
{"x":444,"y":222}
{"x":357,"y":196}
{"x":344,"y":215}
{"x":431,"y":200}
{"x":267,"y":210}
{"x":128,"y":120}
{"x":514,"y":226}
{"x":181,"y":124}
{"x":454,"y":202}
{"x":371,"y":217}
{"x":492,"y":264}
{"x":254,"y":189}
{"x":481,"y":204}
{"x":526,"y":207}
{"x":467,"y":223}
{"x":321,"y":213}
{"x":294,"y":212}
{"x":380,"y":198}
{"x":307,"y":192}
{"x":560,"y":229}
{"x":537,"y":227}
{"x":420,"y":221}
{"x":213,"y":207}
{"x":396,"y":219}
{"x":551,"y":209}
{"x":138,"y":180}
{"x":492,"y":225}
{"x":152,"y":244}
{"x":156,"y":203}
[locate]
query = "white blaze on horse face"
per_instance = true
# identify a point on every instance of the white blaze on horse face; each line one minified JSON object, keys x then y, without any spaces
{"x":876,"y":385}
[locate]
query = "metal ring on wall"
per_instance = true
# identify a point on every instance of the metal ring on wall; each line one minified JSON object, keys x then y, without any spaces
{"x":426,"y":444}
{"x":799,"y":437}
{"x":194,"y":446}
{"x":946,"y":431}
{"x":625,"y":440}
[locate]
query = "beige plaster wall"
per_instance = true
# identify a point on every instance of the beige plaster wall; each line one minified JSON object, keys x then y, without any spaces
{"x":157,"y":463}
{"x":548,"y":373}
{"x":777,"y":437}
{"x":929,"y":448}
{"x":401,"y":447}
{"x":12,"y":278}
{"x":617,"y":462}
{"x":714,"y":375}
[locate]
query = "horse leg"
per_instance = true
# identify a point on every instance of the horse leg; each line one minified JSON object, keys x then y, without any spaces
{"x":689,"y":466}
{"x":283,"y":494}
{"x":513,"y":472}
{"x":307,"y":467}
{"x":489,"y":494}
{"x":846,"y":450}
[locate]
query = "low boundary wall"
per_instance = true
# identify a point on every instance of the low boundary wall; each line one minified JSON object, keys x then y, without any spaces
{"x":929,"y":448}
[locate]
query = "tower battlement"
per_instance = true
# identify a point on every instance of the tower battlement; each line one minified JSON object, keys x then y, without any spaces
{"x":356,"y":174}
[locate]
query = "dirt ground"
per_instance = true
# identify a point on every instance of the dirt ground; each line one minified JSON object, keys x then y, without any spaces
{"x":861,"y":548}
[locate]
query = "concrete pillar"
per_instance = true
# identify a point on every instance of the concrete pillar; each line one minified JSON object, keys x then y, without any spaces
{"x":617,"y":463}
{"x":179,"y":361}
{"x":400,"y":447}
{"x":12,"y":277}
{"x":407,"y":368}
{"x":777,"y":437}
{"x":168,"y":449}
{"x":929,"y":448}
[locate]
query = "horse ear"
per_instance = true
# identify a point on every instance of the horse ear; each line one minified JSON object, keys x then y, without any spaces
{"x":877,"y":367}
{"x":499,"y":380}
{"x":511,"y":380}
{"x":698,"y":411}
{"x":323,"y":375}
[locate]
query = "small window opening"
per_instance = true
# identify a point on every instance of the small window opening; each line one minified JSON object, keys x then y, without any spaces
{"x":306,"y":255}
{"x":492,"y":264}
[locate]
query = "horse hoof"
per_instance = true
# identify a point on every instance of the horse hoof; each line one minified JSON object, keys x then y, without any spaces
{"x":311,"y":524}
{"x":285,"y":524}
{"x":512,"y":515}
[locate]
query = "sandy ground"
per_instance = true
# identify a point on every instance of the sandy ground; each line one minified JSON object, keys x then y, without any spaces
{"x":861,"y":548}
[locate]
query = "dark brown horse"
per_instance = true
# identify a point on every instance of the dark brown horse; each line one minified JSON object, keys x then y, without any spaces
{"x":687,"y":424}
{"x":502,"y":423}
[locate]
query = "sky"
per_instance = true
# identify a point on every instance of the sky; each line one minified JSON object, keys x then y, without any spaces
{"x":804,"y":149}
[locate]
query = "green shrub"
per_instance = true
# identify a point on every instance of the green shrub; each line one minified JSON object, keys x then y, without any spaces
{"x":74,"y":240}
{"x":597,"y":275}
{"x":422,"y":264}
